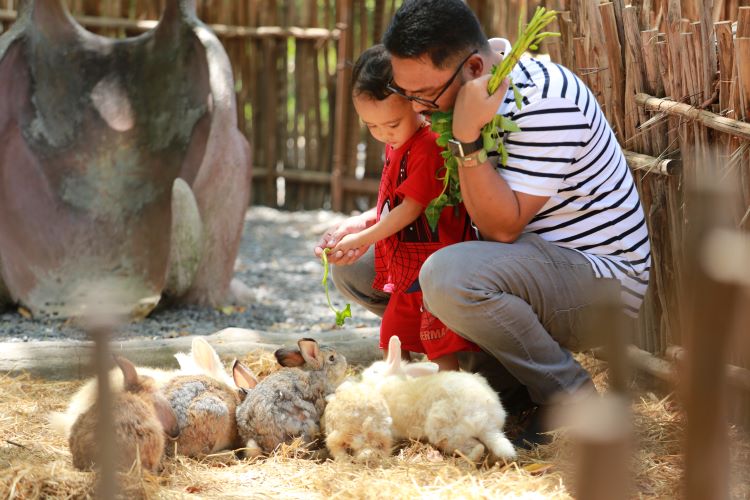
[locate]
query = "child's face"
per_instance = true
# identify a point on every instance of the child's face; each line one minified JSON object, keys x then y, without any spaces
{"x":391,"y":121}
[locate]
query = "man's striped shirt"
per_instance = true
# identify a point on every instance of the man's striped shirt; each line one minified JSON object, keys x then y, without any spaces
{"x":566,"y":150}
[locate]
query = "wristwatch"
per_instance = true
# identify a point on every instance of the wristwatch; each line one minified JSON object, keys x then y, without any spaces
{"x":461,"y":149}
{"x":468,"y":154}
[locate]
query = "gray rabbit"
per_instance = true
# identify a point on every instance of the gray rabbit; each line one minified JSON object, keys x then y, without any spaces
{"x":289,"y":403}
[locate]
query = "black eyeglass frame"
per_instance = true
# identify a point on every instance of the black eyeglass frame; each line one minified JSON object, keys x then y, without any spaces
{"x":427,"y":102}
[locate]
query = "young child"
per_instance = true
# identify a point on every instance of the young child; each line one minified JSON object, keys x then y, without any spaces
{"x":402,"y":237}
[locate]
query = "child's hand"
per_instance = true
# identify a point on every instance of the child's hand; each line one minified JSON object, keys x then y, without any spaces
{"x":346,"y":243}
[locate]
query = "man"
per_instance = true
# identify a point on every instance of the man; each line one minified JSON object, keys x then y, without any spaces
{"x":561,"y":222}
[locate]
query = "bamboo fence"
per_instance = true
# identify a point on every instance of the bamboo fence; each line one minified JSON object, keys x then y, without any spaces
{"x":672,"y":76}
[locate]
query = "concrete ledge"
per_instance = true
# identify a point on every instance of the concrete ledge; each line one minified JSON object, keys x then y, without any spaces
{"x":61,"y":360}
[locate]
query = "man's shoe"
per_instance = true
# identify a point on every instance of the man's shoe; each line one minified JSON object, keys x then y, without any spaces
{"x":532,"y":430}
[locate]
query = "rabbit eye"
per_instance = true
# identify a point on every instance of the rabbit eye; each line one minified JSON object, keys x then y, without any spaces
{"x":331,"y":358}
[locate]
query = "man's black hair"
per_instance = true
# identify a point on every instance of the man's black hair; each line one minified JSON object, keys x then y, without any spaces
{"x":440,"y":29}
{"x":372,"y":73}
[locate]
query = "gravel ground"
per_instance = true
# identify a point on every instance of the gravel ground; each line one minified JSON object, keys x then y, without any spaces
{"x":275,"y":261}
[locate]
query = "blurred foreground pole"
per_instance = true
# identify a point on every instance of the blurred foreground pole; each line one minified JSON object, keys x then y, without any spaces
{"x":106,"y":487}
{"x":603,"y":426}
{"x":707,"y":323}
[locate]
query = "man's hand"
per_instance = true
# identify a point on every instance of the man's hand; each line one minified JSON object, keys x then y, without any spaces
{"x":475,"y":108}
{"x":332,"y":237}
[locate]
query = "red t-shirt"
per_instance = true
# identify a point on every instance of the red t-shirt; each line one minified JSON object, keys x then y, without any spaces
{"x":412,"y":170}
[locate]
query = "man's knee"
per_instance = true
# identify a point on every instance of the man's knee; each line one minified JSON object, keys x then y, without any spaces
{"x":436,"y":276}
{"x":436,"y":270}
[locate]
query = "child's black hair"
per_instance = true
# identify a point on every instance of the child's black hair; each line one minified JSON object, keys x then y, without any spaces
{"x":372,"y":73}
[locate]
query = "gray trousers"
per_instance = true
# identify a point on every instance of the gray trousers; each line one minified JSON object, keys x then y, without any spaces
{"x":526,"y":304}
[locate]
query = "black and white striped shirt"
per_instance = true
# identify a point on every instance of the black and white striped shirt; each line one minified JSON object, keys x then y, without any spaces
{"x":567,"y":150}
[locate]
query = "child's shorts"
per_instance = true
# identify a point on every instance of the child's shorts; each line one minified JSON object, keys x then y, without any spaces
{"x":402,"y":317}
{"x":418,"y":330}
{"x":438,"y":340}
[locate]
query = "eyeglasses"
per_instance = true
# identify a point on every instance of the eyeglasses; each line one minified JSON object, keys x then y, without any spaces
{"x":427,"y":102}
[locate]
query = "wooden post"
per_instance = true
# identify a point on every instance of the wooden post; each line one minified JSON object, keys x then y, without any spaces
{"x":106,"y":452}
{"x":342,"y":100}
{"x":742,"y":58}
{"x":707,"y":326}
{"x":743,"y":22}
{"x":271,"y":113}
{"x":633,"y":80}
{"x":726,"y":62}
{"x":708,"y":45}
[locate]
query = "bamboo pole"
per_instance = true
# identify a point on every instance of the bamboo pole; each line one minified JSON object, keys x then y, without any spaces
{"x":711,"y":120}
{"x":342,"y":98}
{"x":638,"y":161}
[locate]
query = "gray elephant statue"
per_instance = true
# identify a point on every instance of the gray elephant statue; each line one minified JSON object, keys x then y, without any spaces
{"x":123,"y":176}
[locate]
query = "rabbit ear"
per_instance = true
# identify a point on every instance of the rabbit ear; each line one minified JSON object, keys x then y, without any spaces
{"x":393,"y":361}
{"x":289,"y":357}
{"x":310,"y":352}
{"x":205,"y":356}
{"x":166,"y":416}
{"x":129,"y":374}
{"x":420,"y":369}
{"x":243,"y":376}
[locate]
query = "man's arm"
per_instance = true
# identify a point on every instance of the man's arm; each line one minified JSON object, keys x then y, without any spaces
{"x":499,"y":213}
{"x":397,"y":219}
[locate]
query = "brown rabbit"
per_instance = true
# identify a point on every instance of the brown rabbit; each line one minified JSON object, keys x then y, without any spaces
{"x":141,"y":417}
{"x":205,"y":409}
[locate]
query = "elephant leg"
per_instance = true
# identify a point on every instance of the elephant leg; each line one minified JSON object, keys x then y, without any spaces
{"x":4,"y":292}
{"x":186,"y":240}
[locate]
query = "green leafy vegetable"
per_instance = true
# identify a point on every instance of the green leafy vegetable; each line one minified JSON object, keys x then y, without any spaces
{"x":347,"y":311}
{"x":442,"y":122}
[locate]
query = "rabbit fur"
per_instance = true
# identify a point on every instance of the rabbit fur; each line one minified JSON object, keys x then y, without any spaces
{"x":357,"y":424}
{"x":201,"y":360}
{"x":205,"y":410}
{"x":452,"y":410}
{"x":290,"y":402}
{"x":140,"y":418}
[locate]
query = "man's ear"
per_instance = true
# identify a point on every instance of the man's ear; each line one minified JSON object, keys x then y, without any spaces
{"x":474,"y":66}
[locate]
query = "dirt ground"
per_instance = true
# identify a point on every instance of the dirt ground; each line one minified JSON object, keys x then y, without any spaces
{"x":275,"y":261}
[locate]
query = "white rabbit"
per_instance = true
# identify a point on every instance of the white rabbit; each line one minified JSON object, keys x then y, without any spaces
{"x":454,"y":411}
{"x":357,"y":423}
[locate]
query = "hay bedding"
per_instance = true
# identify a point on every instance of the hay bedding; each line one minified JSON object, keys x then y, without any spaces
{"x":275,"y":261}
{"x":36,"y":463}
